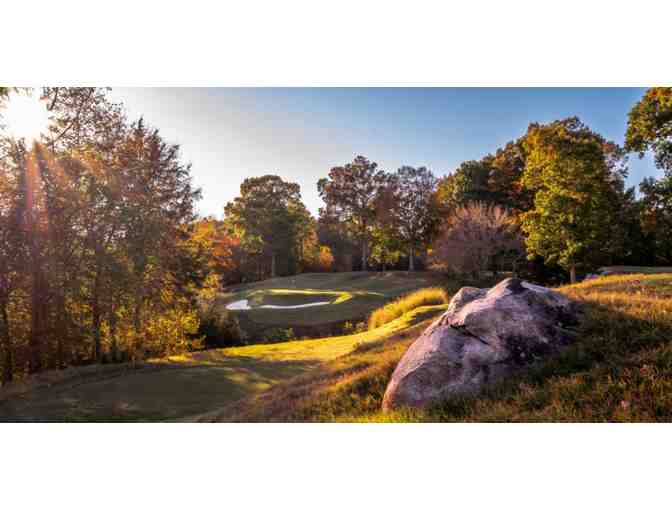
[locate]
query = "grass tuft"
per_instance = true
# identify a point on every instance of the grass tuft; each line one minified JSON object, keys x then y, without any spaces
{"x":395,"y":309}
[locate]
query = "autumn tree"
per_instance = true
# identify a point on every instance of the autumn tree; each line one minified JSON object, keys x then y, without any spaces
{"x":338,"y":237}
{"x":656,"y":217}
{"x":226,"y":256}
{"x":350,"y":193}
{"x":568,"y":171}
{"x":650,"y":126}
{"x":650,"y":129}
{"x":415,"y":214}
{"x":507,"y":166}
{"x":96,"y":259}
{"x":473,"y":235}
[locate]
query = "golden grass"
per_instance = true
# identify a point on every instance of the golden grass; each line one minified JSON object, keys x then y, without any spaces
{"x":344,"y":386}
{"x":619,"y":369}
{"x":318,"y":349}
{"x":397,"y":308}
{"x":177,"y":387}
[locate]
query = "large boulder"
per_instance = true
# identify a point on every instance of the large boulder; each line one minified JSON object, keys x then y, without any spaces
{"x":484,"y":336}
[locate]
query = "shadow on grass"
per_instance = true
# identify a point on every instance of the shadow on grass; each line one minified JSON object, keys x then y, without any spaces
{"x":618,"y":369}
{"x":166,"y":392}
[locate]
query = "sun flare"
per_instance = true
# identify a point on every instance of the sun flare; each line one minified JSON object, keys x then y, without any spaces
{"x":25,"y":117}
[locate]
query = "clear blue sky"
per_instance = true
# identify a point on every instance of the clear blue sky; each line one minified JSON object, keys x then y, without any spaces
{"x":300,"y":133}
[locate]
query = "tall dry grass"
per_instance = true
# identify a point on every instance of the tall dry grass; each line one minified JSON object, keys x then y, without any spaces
{"x":395,"y":309}
{"x":619,"y":369}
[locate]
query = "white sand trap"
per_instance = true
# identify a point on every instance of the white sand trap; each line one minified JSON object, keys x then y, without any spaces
{"x":320,"y":303}
{"x":238,"y":305}
{"x":243,"y":305}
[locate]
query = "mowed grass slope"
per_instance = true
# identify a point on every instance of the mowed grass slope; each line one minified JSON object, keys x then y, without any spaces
{"x":351,"y":296}
{"x":620,"y":369}
{"x":180,"y":387}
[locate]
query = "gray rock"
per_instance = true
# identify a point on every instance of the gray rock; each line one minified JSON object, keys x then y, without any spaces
{"x":484,"y":336}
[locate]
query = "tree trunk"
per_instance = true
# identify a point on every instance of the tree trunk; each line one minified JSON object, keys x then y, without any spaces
{"x":114,"y":348}
{"x":8,"y":361}
{"x":273,"y":264}
{"x":61,"y":329}
{"x":411,"y":260}
{"x":572,"y":273}
{"x":95,"y":312}
{"x":137,"y":325}
{"x":38,"y":318}
{"x":364,"y":255}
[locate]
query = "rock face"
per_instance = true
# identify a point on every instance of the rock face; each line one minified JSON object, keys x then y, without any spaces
{"x":484,"y":336}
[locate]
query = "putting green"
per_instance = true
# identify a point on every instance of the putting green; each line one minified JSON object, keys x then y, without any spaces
{"x":293,"y":301}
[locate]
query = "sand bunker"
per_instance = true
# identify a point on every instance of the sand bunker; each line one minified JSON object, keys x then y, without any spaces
{"x":243,"y":305}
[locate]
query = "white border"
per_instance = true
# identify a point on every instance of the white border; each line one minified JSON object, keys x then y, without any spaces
{"x":350,"y":42}
{"x":345,"y":43}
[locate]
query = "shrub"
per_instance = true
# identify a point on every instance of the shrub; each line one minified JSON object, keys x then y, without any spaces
{"x":474,"y":237}
{"x":350,"y":328}
{"x":221,"y":329}
{"x":395,"y":309}
{"x":278,"y":335}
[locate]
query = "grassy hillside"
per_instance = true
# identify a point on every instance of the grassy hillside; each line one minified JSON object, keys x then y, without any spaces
{"x":178,"y":387}
{"x":619,"y":370}
{"x":637,"y":269}
{"x":351,"y":297}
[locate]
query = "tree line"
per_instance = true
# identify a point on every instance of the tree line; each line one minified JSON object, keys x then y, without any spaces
{"x":548,"y":204}
{"x":97,"y":259}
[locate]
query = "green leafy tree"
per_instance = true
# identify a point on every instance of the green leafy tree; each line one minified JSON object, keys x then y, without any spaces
{"x":505,"y":182}
{"x":386,"y":249}
{"x":269,"y":215}
{"x":650,"y":129}
{"x":469,"y":183}
{"x":656,"y":214}
{"x":568,"y":170}
{"x":650,"y":126}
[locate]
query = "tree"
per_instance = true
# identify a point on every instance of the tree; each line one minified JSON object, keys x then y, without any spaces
{"x":96,"y":259}
{"x":338,"y":237}
{"x":469,"y":183}
{"x":386,"y":248}
{"x":656,"y":214}
{"x":12,"y":254}
{"x":473,"y":235}
{"x":415,"y":214}
{"x":350,"y":193}
{"x":568,"y":171}
{"x":225,"y":254}
{"x":650,"y":126}
{"x":505,"y":181}
{"x":268,"y":215}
